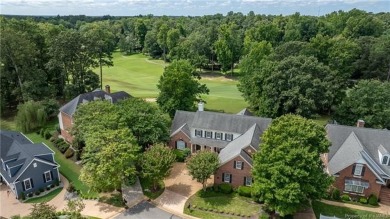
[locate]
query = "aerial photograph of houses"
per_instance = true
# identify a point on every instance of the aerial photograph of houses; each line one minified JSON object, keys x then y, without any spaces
{"x":194,"y":109}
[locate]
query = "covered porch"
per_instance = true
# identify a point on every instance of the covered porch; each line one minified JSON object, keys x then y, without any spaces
{"x":196,"y":147}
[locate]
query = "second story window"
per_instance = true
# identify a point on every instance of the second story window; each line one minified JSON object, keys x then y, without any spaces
{"x":385,"y":160}
{"x":198,"y":133}
{"x":358,"y":170}
{"x":238,"y":165}
{"x":208,"y":134}
{"x":218,"y":135}
{"x":229,"y":137}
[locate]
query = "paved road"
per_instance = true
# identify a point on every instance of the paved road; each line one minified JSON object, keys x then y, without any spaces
{"x":146,"y":210}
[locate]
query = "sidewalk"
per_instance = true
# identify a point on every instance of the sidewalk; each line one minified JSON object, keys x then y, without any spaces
{"x":382,"y":209}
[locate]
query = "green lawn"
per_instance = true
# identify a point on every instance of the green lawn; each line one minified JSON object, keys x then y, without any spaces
{"x":138,"y":75}
{"x":224,"y":204}
{"x":49,"y":196}
{"x":342,"y":212}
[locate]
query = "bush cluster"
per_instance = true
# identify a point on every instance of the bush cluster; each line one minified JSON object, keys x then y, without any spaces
{"x":61,"y":145}
{"x":345,"y":197}
{"x":336,"y":194}
{"x":69,"y":153}
{"x":245,"y":191}
{"x":181,"y":155}
{"x":225,"y":188}
{"x":211,"y":209}
{"x":373,"y":200}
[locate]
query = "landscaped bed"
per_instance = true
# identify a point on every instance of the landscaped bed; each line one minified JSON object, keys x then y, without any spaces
{"x":211,"y":204}
{"x":342,"y":212}
{"x":49,"y":196}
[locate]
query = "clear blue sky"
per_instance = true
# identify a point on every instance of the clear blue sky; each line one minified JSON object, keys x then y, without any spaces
{"x":185,"y":7}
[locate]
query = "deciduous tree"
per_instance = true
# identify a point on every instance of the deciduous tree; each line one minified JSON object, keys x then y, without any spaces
{"x":179,"y":87}
{"x":202,"y":165}
{"x":156,"y":163}
{"x":287,"y":170}
{"x":43,"y":210}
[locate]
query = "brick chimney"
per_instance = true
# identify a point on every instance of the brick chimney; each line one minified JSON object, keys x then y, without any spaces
{"x":360,"y":123}
{"x":108,"y":89}
{"x":201,"y":106}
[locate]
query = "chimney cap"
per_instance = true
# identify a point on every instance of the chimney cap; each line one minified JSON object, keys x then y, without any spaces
{"x":201,"y":106}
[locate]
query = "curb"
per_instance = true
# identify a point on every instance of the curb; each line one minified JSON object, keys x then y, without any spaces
{"x":182,"y":215}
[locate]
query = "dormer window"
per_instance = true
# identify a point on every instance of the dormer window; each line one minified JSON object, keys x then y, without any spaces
{"x":229,"y":137}
{"x":198,"y":133}
{"x":208,"y":134}
{"x":218,"y":135}
{"x":385,"y":160}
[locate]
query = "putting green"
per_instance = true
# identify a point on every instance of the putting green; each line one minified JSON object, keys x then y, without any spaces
{"x":138,"y":75}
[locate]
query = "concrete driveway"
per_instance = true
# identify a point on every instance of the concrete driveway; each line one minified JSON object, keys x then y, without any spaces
{"x":179,"y":186}
{"x":11,"y":206}
{"x":146,"y":210}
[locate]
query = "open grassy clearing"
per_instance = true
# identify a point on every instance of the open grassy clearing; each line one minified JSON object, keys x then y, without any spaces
{"x":343,"y":212}
{"x":139,"y":76}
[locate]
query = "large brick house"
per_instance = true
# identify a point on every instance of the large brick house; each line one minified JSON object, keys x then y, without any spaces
{"x":359,"y":158}
{"x":65,"y":116}
{"x":235,"y":137}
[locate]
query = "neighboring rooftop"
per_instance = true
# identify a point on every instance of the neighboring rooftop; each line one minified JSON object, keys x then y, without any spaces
{"x":18,"y":150}
{"x":71,"y":106}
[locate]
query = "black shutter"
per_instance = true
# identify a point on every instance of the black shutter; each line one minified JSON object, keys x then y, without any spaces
{"x":244,"y":181}
{"x":353,"y":169}
{"x":242,"y":165}
{"x":223,"y":177}
{"x":32,"y":184}
{"x":234,"y":165}
{"x":363,"y":169}
{"x":231,"y":176}
{"x":44,"y":178}
{"x":51,"y":174}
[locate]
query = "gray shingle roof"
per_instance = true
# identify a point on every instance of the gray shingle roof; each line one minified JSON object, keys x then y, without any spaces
{"x":250,"y":128}
{"x":70,"y":107}
{"x":234,"y":148}
{"x":16,"y":147}
{"x":245,"y":112}
{"x":372,"y":141}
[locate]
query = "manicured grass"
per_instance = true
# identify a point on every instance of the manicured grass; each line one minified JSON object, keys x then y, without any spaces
{"x":342,"y":212}
{"x":49,"y":196}
{"x":147,"y":188}
{"x":8,"y":123}
{"x":224,"y":204}
{"x":322,"y":120}
{"x":138,"y":75}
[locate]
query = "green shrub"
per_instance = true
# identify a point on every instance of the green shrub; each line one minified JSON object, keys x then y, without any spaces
{"x":225,"y":188}
{"x":30,"y":117}
{"x":216,"y":188}
{"x":30,"y":195}
{"x":63,"y":146}
{"x":69,"y":153}
{"x":373,"y":200}
{"x":47,"y":134}
{"x":37,"y":192}
{"x":345,"y":197}
{"x":336,"y":194}
{"x":41,"y":189}
{"x":363,"y":200}
{"x":23,"y":196}
{"x":48,"y":187}
{"x":245,"y":191}
{"x":56,"y":183}
{"x":42,"y":132}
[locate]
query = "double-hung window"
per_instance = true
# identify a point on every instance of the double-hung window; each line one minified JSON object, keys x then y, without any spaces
{"x":229,"y":137}
{"x":238,"y":165}
{"x":248,"y":181}
{"x":355,"y":186}
{"x":48,"y":176}
{"x":358,"y":170}
{"x":27,"y":184}
{"x":218,"y":135}
{"x":227,"y":177}
{"x":208,"y":134}
{"x":198,"y":133}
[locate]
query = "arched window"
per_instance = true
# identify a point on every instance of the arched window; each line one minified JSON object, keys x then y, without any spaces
{"x":385,"y":160}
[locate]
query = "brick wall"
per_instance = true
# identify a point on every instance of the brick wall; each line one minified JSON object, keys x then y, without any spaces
{"x":237,"y":175}
{"x":179,"y":136}
{"x":67,"y":122}
{"x":369,"y":176}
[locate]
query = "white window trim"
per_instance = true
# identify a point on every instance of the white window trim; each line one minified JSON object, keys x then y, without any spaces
{"x":226,"y":136}
{"x":353,"y":188}
{"x":49,"y":176}
{"x":208,"y":132}
{"x":387,"y":161}
{"x":196,"y":134}
{"x":358,"y":170}
{"x":239,"y":167}
{"x":227,"y":175}
{"x":220,"y":135}
{"x":24,"y":182}
{"x":246,"y":181}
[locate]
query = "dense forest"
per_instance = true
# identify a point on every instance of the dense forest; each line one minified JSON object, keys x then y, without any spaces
{"x":287,"y":64}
